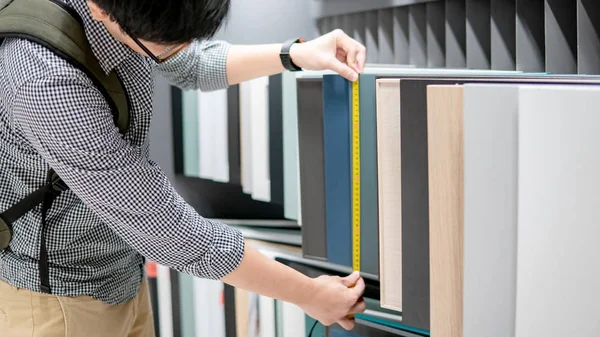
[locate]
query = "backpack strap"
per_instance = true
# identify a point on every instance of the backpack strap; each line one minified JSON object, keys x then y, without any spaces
{"x":59,"y":28}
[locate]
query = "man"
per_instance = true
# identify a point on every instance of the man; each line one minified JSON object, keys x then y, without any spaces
{"x":120,"y":206}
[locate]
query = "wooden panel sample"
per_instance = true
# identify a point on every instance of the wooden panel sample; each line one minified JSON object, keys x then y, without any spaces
{"x":478,"y":34}
{"x":417,"y":33}
{"x":445,"y":137}
{"x":389,"y":187}
{"x":558,"y":204}
{"x":233,"y":133}
{"x":275,"y":136}
{"x":385,"y":35}
{"x":242,"y":306}
{"x":401,"y":36}
{"x":503,"y":30}
{"x":436,"y":38}
{"x":530,"y":36}
{"x":336,"y":136}
{"x":312,"y":167}
{"x":588,"y":36}
{"x":561,"y":36}
{"x":490,"y":209}
{"x":455,"y":33}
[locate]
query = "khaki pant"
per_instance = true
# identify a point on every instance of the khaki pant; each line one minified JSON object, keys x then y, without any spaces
{"x":24,"y":313}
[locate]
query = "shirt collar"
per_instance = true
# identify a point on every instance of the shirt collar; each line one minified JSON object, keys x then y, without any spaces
{"x":109,"y":51}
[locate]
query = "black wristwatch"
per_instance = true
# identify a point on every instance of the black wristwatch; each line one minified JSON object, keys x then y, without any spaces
{"x":284,"y":55}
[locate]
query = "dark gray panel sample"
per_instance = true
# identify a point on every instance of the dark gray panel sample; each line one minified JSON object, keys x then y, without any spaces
{"x":588,"y":36}
{"x":400,"y":27}
{"x":455,"y":34}
{"x":385,"y":35}
{"x":478,"y":34}
{"x":530,"y":36}
{"x":503,"y":30}
{"x":436,"y":39}
{"x":372,"y":36}
{"x":417,"y":35}
{"x":233,"y":134}
{"x":312,"y":167}
{"x":276,"y":138}
{"x":561,"y":36}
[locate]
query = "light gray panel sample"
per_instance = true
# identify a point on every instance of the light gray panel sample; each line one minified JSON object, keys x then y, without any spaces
{"x":436,"y":39}
{"x":502,"y":29}
{"x":561,"y":36}
{"x":530,"y":36}
{"x":400,"y":28}
{"x":557,"y":278}
{"x":490,"y":213}
{"x":588,"y":36}
{"x":385,"y":35}
{"x":478,"y":34}
{"x":372,"y":36}
{"x":417,"y":31}
{"x":455,"y":32}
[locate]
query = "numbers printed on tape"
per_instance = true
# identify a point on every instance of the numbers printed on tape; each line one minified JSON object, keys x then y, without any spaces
{"x":355,"y":177}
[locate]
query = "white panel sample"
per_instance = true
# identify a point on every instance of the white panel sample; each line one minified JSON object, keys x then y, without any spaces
{"x":558,"y":291}
{"x":212,"y":122}
{"x":266,"y":314}
{"x":293,"y":321}
{"x":165,"y":305}
{"x":259,"y":105}
{"x":209,"y":312}
{"x":490,"y":209}
{"x":291,"y":163}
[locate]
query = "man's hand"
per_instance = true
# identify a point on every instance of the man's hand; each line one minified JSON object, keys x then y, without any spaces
{"x":335,"y":298}
{"x":334,"y":51}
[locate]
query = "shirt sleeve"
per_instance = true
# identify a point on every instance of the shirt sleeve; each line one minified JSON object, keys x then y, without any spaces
{"x":202,"y":65}
{"x":68,"y":122}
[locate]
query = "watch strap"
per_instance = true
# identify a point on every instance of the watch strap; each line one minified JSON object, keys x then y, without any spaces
{"x":285,"y":57}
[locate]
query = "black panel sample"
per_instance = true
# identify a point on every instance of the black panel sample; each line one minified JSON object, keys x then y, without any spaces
{"x":175,"y":306}
{"x":233,"y":133}
{"x":276,"y":139}
{"x":229,"y":295}
{"x":312,"y":167}
{"x":177,"y":115}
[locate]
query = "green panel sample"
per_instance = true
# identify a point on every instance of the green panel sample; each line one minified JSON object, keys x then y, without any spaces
{"x":191,"y":155}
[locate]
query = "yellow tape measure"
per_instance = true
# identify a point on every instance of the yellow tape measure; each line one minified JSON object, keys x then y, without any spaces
{"x":355,"y":177}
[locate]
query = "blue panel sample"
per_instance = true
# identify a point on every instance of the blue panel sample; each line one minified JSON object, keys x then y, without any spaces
{"x":336,"y":132}
{"x":369,"y":220}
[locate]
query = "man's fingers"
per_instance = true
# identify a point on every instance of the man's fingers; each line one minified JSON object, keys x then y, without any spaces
{"x":359,"y":288}
{"x":350,"y":280}
{"x":342,"y":69}
{"x":355,"y":52}
{"x":346,"y":323}
{"x":359,"y":307}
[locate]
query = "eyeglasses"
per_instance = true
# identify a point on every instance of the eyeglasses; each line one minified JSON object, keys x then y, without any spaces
{"x":162,"y":57}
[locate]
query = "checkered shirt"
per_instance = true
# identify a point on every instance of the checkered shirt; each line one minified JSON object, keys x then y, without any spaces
{"x":121,"y":208}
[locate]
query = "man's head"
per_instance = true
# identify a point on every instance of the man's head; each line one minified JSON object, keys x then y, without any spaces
{"x":162,"y":27}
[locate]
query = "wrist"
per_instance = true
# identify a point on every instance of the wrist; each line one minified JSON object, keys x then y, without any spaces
{"x":290,"y":54}
{"x":304,"y":296}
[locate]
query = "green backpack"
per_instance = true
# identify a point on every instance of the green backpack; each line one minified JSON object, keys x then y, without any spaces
{"x":59,"y":28}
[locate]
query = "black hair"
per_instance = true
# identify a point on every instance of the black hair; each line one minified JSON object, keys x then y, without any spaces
{"x":167,"y":21}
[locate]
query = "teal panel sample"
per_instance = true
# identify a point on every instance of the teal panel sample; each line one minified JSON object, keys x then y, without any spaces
{"x":191,"y":154}
{"x":336,"y":132}
{"x":186,"y":305}
{"x":369,"y":220}
{"x":318,"y":331}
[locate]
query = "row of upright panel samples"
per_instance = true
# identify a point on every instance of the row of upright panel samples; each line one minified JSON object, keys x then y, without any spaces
{"x":415,"y":220}
{"x":244,"y":135}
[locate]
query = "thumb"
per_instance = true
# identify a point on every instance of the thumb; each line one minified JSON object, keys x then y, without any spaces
{"x":342,"y":69}
{"x":350,"y":280}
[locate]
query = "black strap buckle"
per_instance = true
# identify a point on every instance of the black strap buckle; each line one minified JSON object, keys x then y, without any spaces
{"x":57,"y":184}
